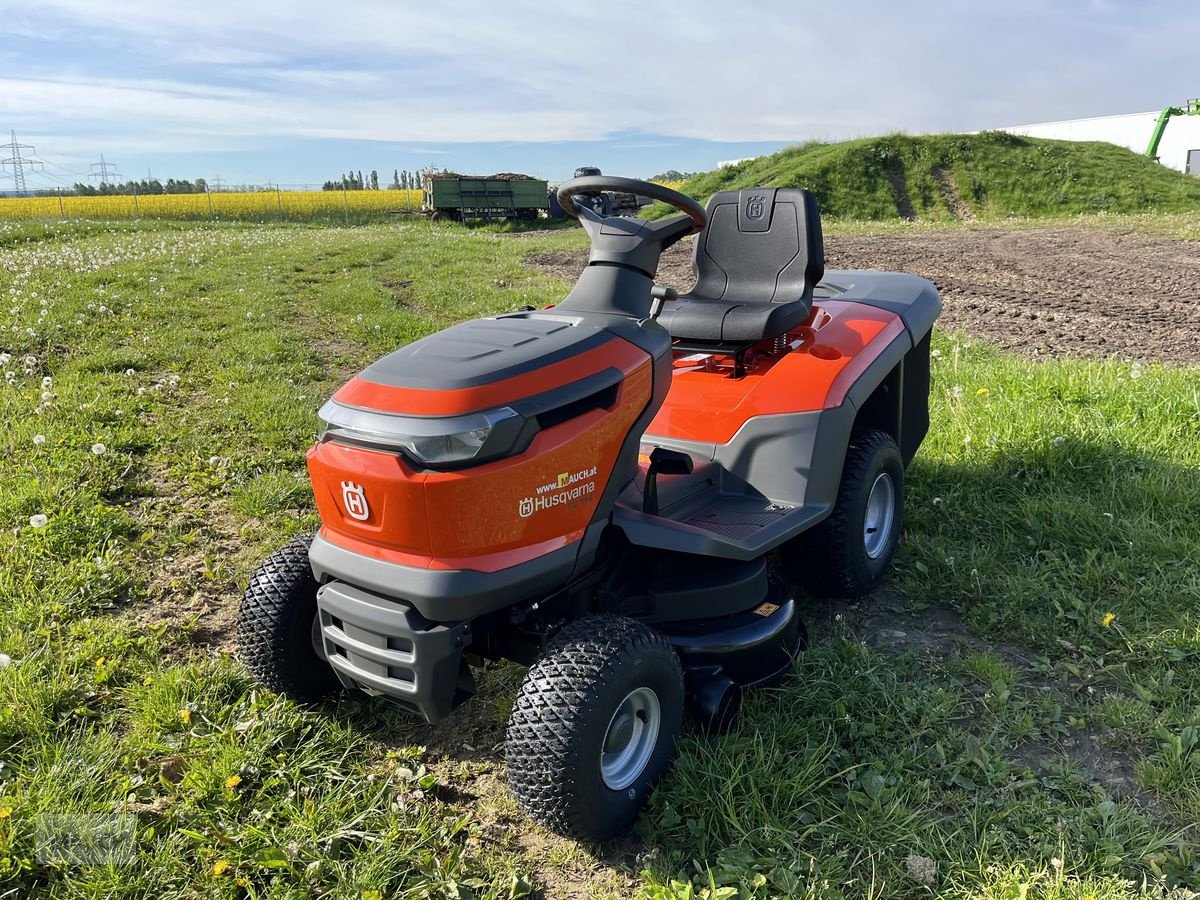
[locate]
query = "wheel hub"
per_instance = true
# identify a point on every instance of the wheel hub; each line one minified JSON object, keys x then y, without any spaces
{"x":880,"y":515}
{"x":630,"y":739}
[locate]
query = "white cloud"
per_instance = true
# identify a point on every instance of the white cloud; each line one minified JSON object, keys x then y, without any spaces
{"x":221,"y":73}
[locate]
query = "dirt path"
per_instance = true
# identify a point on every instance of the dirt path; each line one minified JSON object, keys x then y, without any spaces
{"x":1042,"y":292}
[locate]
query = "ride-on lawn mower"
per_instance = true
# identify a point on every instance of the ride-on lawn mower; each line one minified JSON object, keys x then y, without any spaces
{"x":593,"y":489}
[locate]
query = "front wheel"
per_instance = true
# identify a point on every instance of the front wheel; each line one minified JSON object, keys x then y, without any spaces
{"x":278,"y":630}
{"x":848,"y":554}
{"x":594,"y":727}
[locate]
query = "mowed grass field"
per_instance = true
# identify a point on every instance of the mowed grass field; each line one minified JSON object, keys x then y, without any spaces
{"x":1017,"y":715}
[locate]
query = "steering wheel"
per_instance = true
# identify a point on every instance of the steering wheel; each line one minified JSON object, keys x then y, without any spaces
{"x":592,"y":184}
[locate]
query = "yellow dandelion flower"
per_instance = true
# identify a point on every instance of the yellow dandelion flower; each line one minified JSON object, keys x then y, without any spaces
{"x":1108,"y":619}
{"x":232,"y":782}
{"x":5,"y":812}
{"x":982,"y":391}
{"x":220,"y":867}
{"x":185,"y":716}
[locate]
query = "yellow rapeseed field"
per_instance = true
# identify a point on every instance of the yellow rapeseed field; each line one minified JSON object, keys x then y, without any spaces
{"x":253,"y":206}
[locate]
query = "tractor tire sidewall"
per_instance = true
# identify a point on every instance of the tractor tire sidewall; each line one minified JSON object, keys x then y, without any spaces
{"x":275,"y":622}
{"x":561,"y":716}
{"x":621,"y":808}
{"x":830,"y":560}
{"x":869,"y":573}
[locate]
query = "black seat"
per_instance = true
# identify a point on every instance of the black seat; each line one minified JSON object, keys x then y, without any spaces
{"x":756,"y":265}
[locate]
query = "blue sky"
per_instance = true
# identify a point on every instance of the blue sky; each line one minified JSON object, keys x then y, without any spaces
{"x":293,"y":91}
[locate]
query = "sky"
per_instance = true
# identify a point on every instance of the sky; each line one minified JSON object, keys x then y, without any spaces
{"x":296,"y":92}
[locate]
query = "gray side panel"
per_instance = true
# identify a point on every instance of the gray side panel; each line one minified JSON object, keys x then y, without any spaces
{"x":782,"y":470}
{"x":444,"y":595}
{"x":786,"y":457}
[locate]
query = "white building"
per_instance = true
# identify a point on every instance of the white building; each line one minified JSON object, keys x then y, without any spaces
{"x":1179,"y":148}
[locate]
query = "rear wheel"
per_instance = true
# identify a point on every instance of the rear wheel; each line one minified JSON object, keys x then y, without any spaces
{"x":848,"y":554}
{"x":594,"y":726}
{"x":278,"y":630}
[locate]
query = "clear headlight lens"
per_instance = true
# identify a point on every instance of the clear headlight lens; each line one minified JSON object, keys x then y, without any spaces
{"x":451,"y":439}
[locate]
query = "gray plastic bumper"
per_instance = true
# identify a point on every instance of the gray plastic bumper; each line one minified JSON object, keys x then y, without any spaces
{"x":444,"y":595}
{"x":387,"y":648}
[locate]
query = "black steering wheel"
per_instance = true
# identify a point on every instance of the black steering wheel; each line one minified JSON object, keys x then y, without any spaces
{"x":592,"y":184}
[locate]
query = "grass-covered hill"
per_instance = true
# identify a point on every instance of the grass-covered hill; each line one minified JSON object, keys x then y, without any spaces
{"x":963,"y":176}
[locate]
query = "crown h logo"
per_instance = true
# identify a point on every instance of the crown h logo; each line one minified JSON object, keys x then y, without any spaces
{"x":355,"y":501}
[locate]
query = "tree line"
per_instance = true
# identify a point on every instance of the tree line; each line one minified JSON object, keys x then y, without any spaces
{"x":145,"y":186}
{"x":354,"y":181}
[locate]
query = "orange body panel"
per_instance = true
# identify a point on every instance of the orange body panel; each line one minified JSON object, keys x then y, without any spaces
{"x":371,"y":395}
{"x":822,"y":359}
{"x":491,"y":516}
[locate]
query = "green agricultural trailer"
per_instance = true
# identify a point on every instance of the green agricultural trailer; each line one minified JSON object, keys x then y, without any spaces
{"x":506,"y":196}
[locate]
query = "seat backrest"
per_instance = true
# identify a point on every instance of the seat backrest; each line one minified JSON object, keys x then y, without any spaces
{"x":762,"y":245}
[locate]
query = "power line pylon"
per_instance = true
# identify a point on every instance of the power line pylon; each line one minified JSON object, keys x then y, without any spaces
{"x":20,"y":163}
{"x":105,"y":171}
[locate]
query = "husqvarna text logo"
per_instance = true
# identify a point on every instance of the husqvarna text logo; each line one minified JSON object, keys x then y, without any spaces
{"x":568,"y":489}
{"x":355,"y":501}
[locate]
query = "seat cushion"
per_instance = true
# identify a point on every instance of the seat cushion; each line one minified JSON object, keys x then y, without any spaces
{"x":701,"y":319}
{"x":756,"y":264}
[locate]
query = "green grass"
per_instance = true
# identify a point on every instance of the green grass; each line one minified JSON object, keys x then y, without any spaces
{"x":884,"y":766}
{"x":997,"y":175}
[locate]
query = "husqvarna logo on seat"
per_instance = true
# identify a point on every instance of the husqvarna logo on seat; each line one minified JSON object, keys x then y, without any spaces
{"x":756,"y":206}
{"x":355,"y":501}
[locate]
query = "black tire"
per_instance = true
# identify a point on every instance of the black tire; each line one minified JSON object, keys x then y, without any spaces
{"x":275,"y":626}
{"x":832,"y":559}
{"x":562,"y":716}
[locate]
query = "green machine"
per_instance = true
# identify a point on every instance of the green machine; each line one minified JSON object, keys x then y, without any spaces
{"x":1191,"y":108}
{"x":459,"y":197}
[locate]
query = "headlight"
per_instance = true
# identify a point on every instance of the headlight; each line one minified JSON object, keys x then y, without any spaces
{"x":434,"y":441}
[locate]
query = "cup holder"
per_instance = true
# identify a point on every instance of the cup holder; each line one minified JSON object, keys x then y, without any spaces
{"x":824,"y":351}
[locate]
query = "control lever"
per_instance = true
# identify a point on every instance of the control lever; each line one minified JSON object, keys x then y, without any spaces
{"x":663,"y":461}
{"x":660,"y":294}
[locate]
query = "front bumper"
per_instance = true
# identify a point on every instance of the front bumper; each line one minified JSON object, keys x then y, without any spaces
{"x":387,"y":648}
{"x":447,"y":594}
